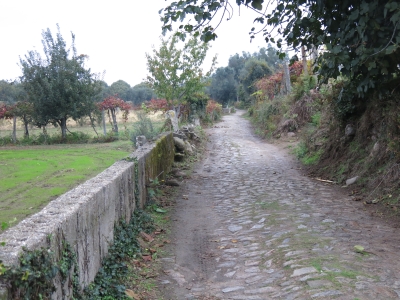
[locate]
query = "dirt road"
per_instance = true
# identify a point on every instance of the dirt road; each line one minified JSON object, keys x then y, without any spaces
{"x":253,"y":227}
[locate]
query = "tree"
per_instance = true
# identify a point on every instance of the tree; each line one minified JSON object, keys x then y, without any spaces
{"x":176,"y":73}
{"x":120,"y":88}
{"x":223,"y":85}
{"x":269,"y":55}
{"x":58,"y":85}
{"x":140,"y":93}
{"x":252,"y":71}
{"x":7,"y":112}
{"x":7,"y":92}
{"x":111,"y":104}
{"x":361,"y":37}
{"x":24,"y":111}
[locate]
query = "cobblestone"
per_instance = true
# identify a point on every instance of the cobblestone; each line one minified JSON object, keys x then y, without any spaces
{"x":261,"y":230}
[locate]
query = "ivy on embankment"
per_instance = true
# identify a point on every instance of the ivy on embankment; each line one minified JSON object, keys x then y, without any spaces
{"x":33,"y":278}
{"x":108,"y":282}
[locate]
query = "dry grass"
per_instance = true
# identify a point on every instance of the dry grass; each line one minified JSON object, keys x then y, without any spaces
{"x":74,"y":126}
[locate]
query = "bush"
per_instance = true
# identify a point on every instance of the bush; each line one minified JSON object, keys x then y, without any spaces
{"x":108,"y":138}
{"x":43,"y":139}
{"x":239,"y":104}
{"x":143,"y":126}
{"x":303,"y":86}
{"x":213,"y":112}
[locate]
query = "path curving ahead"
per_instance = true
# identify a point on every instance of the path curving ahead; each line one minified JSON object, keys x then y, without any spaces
{"x":254,"y":228}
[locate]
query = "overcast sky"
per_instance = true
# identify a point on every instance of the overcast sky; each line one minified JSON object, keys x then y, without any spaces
{"x":115,"y":34}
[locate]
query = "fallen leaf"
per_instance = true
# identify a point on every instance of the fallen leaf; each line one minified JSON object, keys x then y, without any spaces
{"x":131,"y":294}
{"x":160,"y":210}
{"x":146,"y":257}
{"x":147,"y":237}
{"x":234,"y":241}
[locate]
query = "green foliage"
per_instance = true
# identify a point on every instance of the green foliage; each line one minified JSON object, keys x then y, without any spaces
{"x":12,"y":92}
{"x":252,"y":71}
{"x":213,"y":112}
{"x":140,"y":93}
{"x":316,"y":118}
{"x":301,"y":150}
{"x":239,"y":105}
{"x":303,"y":85}
{"x":197,"y":103}
{"x":45,"y":139}
{"x":69,"y":270}
{"x":33,"y":279}
{"x":119,"y":88}
{"x":108,"y":281}
{"x":223,"y":85}
{"x":267,"y":114}
{"x":247,"y":69}
{"x":360,"y":38}
{"x":176,"y":73}
{"x":312,"y":158}
{"x":143,"y":126}
{"x":58,"y":86}
{"x":303,"y":153}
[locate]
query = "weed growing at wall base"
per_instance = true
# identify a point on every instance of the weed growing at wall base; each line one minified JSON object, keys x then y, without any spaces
{"x":108,"y":282}
{"x":33,"y":278}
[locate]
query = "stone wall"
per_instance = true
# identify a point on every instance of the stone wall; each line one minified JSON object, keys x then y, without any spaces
{"x":85,"y":216}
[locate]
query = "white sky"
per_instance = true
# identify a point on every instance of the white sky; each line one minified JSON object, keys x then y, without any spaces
{"x":115,"y":34}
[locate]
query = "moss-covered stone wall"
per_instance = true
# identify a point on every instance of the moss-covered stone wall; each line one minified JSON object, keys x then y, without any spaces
{"x":154,"y":161}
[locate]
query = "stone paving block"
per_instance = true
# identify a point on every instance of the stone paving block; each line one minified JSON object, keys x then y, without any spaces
{"x":232,"y":289}
{"x":304,"y":271}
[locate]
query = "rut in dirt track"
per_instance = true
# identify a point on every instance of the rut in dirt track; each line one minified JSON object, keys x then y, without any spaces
{"x":254,"y":228}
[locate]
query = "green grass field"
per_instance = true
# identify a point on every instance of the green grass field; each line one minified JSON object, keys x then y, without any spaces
{"x":32,"y":176}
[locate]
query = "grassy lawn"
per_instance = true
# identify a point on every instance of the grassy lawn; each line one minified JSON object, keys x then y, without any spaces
{"x":32,"y":176}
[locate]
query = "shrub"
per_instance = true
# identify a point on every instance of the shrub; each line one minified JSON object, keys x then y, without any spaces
{"x":213,"y":111}
{"x":108,"y":138}
{"x":143,"y":126}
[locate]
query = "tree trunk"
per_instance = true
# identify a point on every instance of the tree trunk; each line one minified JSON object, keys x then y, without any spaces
{"x":114,"y":119}
{"x":304,"y":58}
{"x":92,"y":124}
{"x":103,"y":119}
{"x":26,"y":131}
{"x":14,"y":134}
{"x":287,"y":78}
{"x":63,"y":126}
{"x":45,"y":133}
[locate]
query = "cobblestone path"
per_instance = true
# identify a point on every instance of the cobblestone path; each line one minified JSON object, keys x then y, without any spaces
{"x":253,"y":227}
